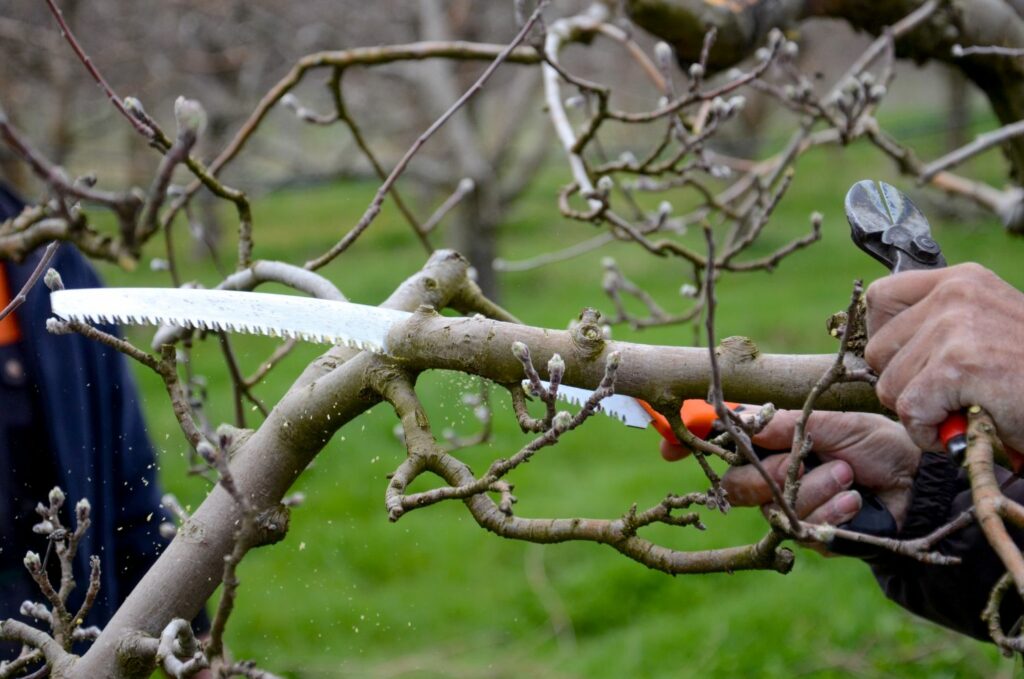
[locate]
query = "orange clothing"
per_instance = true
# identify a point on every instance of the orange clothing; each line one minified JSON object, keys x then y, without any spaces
{"x":9,"y":332}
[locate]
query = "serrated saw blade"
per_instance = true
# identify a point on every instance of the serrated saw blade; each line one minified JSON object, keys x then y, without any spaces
{"x":623,"y":408}
{"x":308,"y":319}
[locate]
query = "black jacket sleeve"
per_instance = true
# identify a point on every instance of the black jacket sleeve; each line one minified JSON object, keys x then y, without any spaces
{"x":952,"y":596}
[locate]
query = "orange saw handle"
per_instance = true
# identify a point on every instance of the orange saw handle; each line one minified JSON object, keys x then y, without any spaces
{"x":698,"y":415}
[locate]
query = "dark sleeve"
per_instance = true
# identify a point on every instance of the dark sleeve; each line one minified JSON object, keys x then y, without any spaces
{"x":952,"y":596}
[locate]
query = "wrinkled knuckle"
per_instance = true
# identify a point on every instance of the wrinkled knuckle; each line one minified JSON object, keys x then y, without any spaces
{"x":874,"y":354}
{"x":952,"y":291}
{"x":906,"y":407}
{"x":971,"y":271}
{"x":886,"y":390}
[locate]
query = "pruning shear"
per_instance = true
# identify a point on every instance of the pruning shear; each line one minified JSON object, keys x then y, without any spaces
{"x":885,"y":224}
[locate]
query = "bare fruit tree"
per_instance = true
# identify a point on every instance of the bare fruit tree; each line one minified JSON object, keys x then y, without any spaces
{"x":733,"y":200}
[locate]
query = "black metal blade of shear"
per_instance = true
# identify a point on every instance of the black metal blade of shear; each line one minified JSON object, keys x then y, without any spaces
{"x":889,"y":227}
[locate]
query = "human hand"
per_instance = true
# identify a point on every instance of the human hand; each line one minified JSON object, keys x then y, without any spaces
{"x":946,"y":339}
{"x":869,"y":449}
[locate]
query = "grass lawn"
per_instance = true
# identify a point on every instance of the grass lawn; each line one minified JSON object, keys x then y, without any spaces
{"x":349,"y":594}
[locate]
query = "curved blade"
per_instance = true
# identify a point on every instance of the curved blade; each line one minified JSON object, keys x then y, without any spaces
{"x":889,"y":227}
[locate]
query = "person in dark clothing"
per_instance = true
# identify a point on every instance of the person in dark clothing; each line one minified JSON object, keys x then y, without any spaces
{"x":70,"y":417}
{"x":941,"y":340}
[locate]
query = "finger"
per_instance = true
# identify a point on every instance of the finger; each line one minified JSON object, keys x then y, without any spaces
{"x":747,"y":488}
{"x":673,"y":451}
{"x":907,"y":364}
{"x":886,"y":341}
{"x":890,"y":296}
{"x":821,"y":485}
{"x":778,"y":434}
{"x":924,"y":404}
{"x":838,"y":510}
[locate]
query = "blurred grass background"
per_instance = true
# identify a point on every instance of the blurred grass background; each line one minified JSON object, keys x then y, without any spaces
{"x":349,"y":594}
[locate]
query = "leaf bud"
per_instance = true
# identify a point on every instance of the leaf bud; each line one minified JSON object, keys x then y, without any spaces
{"x":206,"y":451}
{"x":613,"y":360}
{"x":56,"y":497}
{"x":32,"y":561}
{"x":44,"y":527}
{"x":53,"y":280}
{"x":561,"y":421}
{"x":696,"y":71}
{"x":663,"y":52}
{"x":520,"y":351}
{"x":556,"y":368}
{"x":190,"y":116}
{"x":134,"y":106}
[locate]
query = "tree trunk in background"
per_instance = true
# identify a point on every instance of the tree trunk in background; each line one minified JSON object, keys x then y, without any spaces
{"x":959,"y":115}
{"x":475,"y":234}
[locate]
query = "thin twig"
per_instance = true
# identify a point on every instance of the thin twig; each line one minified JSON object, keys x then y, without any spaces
{"x":378,"y":200}
{"x":44,"y":263}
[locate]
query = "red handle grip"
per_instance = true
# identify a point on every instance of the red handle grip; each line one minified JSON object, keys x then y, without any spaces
{"x":953,"y":434}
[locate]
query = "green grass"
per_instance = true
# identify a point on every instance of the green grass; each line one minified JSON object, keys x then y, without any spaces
{"x":349,"y":594}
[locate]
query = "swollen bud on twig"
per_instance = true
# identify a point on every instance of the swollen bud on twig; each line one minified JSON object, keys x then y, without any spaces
{"x":561,"y":421}
{"x":134,"y":106}
{"x":613,"y":360}
{"x":190,"y":116}
{"x":56,"y":497}
{"x":605,"y":184}
{"x":206,"y":451}
{"x":82,"y":510}
{"x":521,"y":351}
{"x":43,"y":527}
{"x":55,"y":326}
{"x":556,"y":368}
{"x":466,"y":185}
{"x":52,"y":280}
{"x":696,"y":71}
{"x":663,"y":52}
{"x":32,"y":561}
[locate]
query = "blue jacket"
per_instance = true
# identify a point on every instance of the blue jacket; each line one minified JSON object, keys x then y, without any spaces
{"x":94,"y":434}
